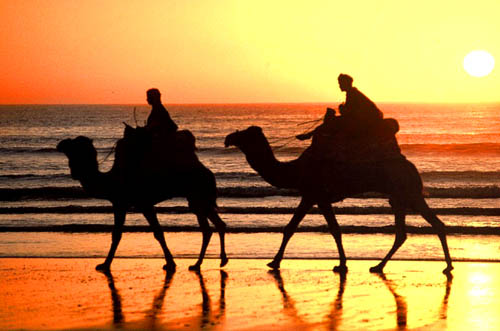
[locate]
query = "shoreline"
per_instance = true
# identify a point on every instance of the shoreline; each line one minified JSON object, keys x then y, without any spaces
{"x":346,"y":229}
{"x":373,"y":259}
{"x":303,"y":245}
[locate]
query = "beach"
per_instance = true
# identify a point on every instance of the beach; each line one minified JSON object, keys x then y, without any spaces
{"x":63,"y":293}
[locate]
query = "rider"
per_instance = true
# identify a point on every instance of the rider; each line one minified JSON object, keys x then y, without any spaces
{"x":359,"y":133}
{"x":159,"y":119}
{"x":360,"y":113}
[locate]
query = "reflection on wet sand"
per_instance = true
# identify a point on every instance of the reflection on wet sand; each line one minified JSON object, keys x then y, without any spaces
{"x":289,"y":307}
{"x":288,"y":303}
{"x":151,"y":315}
{"x":443,"y":311}
{"x":116,"y":299}
{"x":67,"y":294}
{"x":401,"y":306}
{"x":336,"y":312}
{"x":207,"y":316}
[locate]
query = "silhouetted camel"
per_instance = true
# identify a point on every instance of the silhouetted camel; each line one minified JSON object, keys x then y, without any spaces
{"x":142,"y":189}
{"x":329,"y":182}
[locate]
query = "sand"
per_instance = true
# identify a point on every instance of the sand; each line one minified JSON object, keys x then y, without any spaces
{"x":69,"y":294}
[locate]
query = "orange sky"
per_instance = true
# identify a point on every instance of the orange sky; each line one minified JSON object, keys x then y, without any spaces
{"x":244,"y":51}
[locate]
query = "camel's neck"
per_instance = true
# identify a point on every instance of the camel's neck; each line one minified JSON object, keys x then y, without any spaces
{"x":97,"y":184}
{"x":280,"y":174}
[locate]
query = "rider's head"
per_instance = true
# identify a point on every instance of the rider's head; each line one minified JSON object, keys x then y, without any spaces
{"x":153,"y":96}
{"x":345,"y":82}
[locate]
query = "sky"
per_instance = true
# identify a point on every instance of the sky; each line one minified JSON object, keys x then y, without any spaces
{"x":230,"y":51}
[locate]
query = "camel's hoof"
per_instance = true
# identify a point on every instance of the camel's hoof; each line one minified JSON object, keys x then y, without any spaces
{"x":341,"y":269}
{"x":102,"y":267}
{"x":377,"y":269}
{"x":274,"y":265}
{"x":169,"y":266}
{"x":194,"y":267}
{"x":223,"y":261}
{"x":448,"y":270}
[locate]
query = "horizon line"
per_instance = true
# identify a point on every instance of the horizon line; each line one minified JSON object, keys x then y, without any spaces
{"x":251,"y":103}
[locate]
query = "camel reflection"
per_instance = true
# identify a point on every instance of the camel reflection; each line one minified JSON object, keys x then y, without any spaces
{"x":151,"y":316}
{"x":288,"y":302}
{"x":401,"y":306}
{"x":116,"y":299}
{"x":208,"y":317}
{"x":159,"y":299}
{"x":336,"y":311}
{"x":443,"y":312}
{"x":290,"y":310}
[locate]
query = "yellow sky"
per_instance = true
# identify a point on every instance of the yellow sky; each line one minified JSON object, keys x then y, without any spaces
{"x":225,"y":51}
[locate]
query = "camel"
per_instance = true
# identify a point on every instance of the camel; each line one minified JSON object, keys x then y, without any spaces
{"x":144,"y":186}
{"x":323,"y":183}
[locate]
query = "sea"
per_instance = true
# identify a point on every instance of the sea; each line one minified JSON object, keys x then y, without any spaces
{"x":45,"y":213}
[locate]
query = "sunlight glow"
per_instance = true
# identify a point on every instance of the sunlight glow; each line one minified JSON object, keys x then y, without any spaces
{"x":479,"y":63}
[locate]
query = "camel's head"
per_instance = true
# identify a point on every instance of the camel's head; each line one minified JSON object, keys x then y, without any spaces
{"x":82,"y":155}
{"x":245,"y":138}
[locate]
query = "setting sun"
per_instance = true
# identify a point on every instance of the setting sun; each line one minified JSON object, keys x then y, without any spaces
{"x":479,"y":63}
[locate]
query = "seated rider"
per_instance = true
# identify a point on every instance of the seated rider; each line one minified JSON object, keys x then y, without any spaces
{"x":360,"y":113}
{"x":360,"y":133}
{"x":159,"y":121}
{"x":163,"y":130}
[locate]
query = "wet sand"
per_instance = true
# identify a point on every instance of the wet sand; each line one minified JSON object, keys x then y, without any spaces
{"x":41,"y":293}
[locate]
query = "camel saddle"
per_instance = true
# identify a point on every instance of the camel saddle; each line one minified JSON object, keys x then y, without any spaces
{"x":141,"y":149}
{"x":380,"y":144}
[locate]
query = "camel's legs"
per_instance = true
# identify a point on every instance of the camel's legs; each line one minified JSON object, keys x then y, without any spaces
{"x":399,"y":217}
{"x":333,"y":226}
{"x":207,"y":234}
{"x":150,"y":215}
{"x":421,"y":206}
{"x":220,"y":226}
{"x":119,"y":214}
{"x":300,"y":213}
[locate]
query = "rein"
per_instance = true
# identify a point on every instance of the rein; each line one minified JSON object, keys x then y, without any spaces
{"x":114,"y":146}
{"x":107,"y":155}
{"x":289,"y":139}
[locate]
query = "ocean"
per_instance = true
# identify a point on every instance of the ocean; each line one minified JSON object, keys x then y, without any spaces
{"x":44,"y":213}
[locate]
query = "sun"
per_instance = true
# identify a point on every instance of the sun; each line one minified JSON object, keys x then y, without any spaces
{"x":479,"y":63}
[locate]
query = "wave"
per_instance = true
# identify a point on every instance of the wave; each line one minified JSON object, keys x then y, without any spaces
{"x":97,"y":228}
{"x":47,"y":178}
{"x":468,"y":149}
{"x":448,"y":149}
{"x":76,"y":192}
{"x":462,"y":176}
{"x":72,"y":209}
{"x":43,"y":150}
{"x":237,"y":175}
